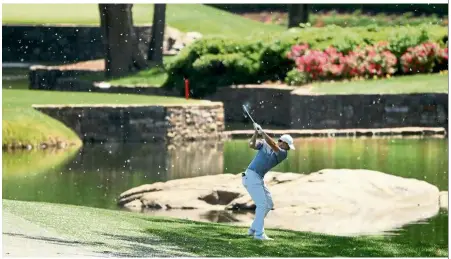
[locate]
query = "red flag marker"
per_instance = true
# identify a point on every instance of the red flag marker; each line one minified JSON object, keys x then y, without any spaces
{"x":186,"y":89}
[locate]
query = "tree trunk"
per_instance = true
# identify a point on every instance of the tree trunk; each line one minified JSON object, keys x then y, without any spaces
{"x":122,"y":54}
{"x":297,"y":13}
{"x":155,"y":54}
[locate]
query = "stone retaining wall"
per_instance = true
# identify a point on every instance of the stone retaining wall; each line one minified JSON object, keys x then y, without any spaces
{"x":268,"y":104}
{"x":368,"y":111}
{"x":416,"y":132}
{"x":284,"y":106}
{"x":141,"y":123}
{"x":297,"y":109}
{"x":53,"y":78}
{"x":50,"y":43}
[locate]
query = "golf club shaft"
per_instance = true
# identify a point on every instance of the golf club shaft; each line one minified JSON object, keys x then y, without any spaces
{"x":245,"y":109}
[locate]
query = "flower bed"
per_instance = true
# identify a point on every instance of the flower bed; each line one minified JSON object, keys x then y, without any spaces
{"x":366,"y":62}
{"x":216,"y":62}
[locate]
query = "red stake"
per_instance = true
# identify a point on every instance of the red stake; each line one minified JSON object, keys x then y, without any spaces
{"x":186,"y":89}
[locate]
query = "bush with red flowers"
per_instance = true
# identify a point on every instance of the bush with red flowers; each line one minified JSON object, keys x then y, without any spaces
{"x":330,"y":64}
{"x":423,"y":58}
{"x":367,"y":62}
{"x":371,"y":61}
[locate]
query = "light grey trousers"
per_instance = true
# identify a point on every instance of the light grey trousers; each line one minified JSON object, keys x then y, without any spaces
{"x":261,"y":196}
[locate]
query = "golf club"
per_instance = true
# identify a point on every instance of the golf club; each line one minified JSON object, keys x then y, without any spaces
{"x":247,"y":112}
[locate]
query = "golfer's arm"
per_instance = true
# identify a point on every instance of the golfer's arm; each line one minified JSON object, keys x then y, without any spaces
{"x":271,"y":142}
{"x":253,"y":141}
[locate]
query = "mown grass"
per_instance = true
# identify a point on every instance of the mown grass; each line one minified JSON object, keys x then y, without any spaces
{"x":152,"y":77}
{"x":111,"y":229}
{"x":23,"y":124}
{"x":185,"y":17}
{"x":356,"y":18}
{"x":424,"y":83}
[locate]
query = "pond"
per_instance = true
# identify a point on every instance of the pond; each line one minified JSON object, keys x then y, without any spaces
{"x":96,"y":174}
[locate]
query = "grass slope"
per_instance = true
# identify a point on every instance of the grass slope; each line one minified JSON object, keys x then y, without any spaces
{"x":154,"y":77}
{"x":23,"y":124}
{"x":425,"y":83}
{"x":110,"y":230}
{"x":185,"y":17}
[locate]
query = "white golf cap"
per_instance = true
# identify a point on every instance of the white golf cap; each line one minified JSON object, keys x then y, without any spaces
{"x":287,"y":139}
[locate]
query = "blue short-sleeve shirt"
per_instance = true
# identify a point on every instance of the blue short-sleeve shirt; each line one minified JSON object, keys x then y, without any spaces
{"x":266,"y":158}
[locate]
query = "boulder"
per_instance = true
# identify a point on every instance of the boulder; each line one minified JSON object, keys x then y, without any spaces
{"x":176,"y":40}
{"x":135,"y":205}
{"x":332,"y":201}
{"x":444,"y":200}
{"x":204,"y":192}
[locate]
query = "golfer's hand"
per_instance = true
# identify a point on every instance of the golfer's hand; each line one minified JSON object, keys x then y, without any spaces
{"x":258,"y":128}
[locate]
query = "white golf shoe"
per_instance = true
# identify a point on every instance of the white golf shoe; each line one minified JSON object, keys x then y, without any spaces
{"x":263,"y":237}
{"x":250,"y":232}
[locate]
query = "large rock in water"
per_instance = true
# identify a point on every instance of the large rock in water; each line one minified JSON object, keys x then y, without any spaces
{"x":340,"y":202}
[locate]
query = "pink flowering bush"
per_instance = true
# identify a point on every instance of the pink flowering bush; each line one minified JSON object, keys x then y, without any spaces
{"x":330,"y":64}
{"x":371,"y":61}
{"x":367,"y":62}
{"x":423,"y":58}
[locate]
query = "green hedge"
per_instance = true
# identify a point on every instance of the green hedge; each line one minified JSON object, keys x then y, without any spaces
{"x":215,"y":62}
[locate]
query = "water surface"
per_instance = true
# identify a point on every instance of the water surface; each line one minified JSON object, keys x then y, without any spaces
{"x":96,"y":174}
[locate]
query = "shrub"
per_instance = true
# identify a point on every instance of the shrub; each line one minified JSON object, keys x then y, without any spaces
{"x":423,"y":58}
{"x":371,"y":61}
{"x":296,"y":77}
{"x":216,"y":62}
{"x":331,"y":64}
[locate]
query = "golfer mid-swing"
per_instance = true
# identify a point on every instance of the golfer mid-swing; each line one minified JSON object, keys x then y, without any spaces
{"x":268,"y":156}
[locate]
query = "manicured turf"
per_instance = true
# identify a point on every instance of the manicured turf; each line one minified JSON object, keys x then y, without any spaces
{"x":133,"y":234}
{"x":185,"y":17}
{"x":23,"y":124}
{"x":424,"y":83}
{"x":151,"y":77}
{"x":19,"y":99}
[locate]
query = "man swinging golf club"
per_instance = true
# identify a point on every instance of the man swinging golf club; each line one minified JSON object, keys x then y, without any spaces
{"x":268,"y":156}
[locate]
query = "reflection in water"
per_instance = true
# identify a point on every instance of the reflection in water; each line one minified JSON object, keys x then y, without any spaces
{"x":423,"y":159}
{"x":155,"y":161}
{"x":97,"y":174}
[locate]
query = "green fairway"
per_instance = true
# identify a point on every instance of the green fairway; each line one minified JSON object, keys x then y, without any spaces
{"x":102,"y":230}
{"x":425,"y":83}
{"x":151,"y":77}
{"x":23,"y":124}
{"x":23,"y":99}
{"x":185,"y":17}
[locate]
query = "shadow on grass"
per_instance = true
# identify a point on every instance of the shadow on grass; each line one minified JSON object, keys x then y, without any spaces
{"x":53,"y":240}
{"x":217,"y":240}
{"x":143,"y":246}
